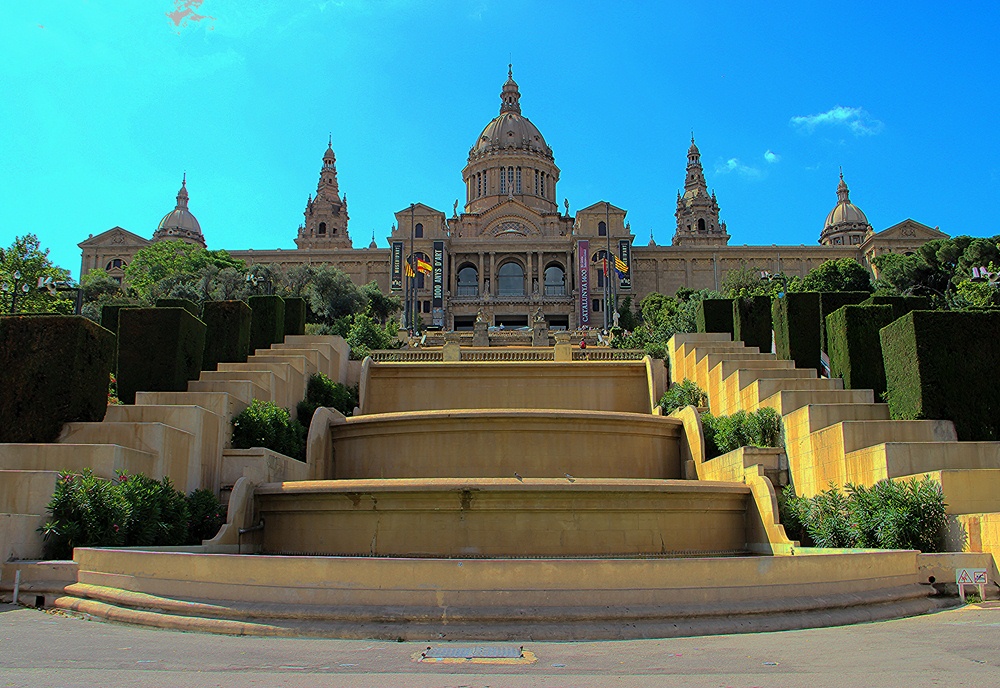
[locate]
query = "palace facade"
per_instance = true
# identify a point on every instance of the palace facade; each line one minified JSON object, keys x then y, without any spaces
{"x":511,"y":251}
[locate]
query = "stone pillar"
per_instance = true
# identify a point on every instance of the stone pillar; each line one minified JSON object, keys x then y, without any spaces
{"x":563,"y":349}
{"x":482,"y":273}
{"x":493,"y":273}
{"x":481,"y":334}
{"x":539,"y":333}
{"x":452,"y":350}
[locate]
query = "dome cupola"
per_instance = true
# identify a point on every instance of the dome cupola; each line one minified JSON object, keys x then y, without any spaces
{"x":179,"y":223}
{"x":510,"y":159}
{"x":846,"y":223}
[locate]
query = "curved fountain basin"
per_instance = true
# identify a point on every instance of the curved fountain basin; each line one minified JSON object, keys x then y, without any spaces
{"x":504,"y":517}
{"x":485,"y":443}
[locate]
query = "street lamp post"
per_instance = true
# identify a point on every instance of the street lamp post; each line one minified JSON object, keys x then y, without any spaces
{"x":13,"y":289}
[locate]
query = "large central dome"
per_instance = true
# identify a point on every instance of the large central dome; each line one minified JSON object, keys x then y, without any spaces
{"x":510,"y":129}
{"x":510,"y":160}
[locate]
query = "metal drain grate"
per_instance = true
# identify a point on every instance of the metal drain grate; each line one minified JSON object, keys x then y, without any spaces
{"x":474,"y":652}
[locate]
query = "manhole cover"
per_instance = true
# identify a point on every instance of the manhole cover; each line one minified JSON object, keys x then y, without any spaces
{"x":474,"y":652}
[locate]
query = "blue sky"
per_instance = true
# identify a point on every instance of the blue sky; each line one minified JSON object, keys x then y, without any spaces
{"x":107,"y":103}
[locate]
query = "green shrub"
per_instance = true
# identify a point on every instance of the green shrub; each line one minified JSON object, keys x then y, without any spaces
{"x":85,"y":511}
{"x":830,"y":301}
{"x":752,"y":321}
{"x":321,"y":391}
{"x":761,"y":428}
{"x":295,"y":315}
{"x":267,"y":321}
{"x":796,"y":328}
{"x":901,"y":305}
{"x":890,"y":514}
{"x":366,"y":335}
{"x":945,"y":365}
{"x":188,"y":305}
{"x":159,"y":350}
{"x":158,"y":514}
{"x":227,"y":337}
{"x":129,"y":511}
{"x":206,"y":516}
{"x":681,"y":394}
{"x":265,"y":424}
{"x":53,"y":370}
{"x":109,"y":317}
{"x":715,"y":315}
{"x":854,"y":346}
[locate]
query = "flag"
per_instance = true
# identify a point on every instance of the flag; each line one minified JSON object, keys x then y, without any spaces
{"x":423,"y":266}
{"x":409,"y":270}
{"x":620,"y":266}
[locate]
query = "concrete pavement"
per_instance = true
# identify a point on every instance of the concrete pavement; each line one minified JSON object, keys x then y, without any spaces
{"x":956,"y":647}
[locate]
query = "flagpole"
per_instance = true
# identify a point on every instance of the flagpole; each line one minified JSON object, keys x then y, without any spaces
{"x":607,"y":266}
{"x":411,"y":280}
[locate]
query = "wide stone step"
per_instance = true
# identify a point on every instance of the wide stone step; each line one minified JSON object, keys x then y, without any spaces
{"x":966,"y":491}
{"x":319,"y":359}
{"x":301,"y":364}
{"x":813,"y":417}
{"x":223,"y":404}
{"x":243,"y":391}
{"x":171,"y":446}
{"x":787,"y":401}
{"x":105,"y":460}
{"x":761,"y":389}
{"x":210,"y":434}
{"x":263,"y":382}
{"x":896,"y":459}
{"x":854,"y":435}
{"x":289,"y":384}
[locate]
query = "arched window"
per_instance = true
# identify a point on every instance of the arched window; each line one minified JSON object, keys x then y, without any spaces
{"x":598,"y":267}
{"x":701,"y":224}
{"x":511,"y":279}
{"x":322,"y":228}
{"x":503,"y":180}
{"x":468,"y":280}
{"x":555,"y":280}
{"x":543,"y":184}
{"x":116,"y":264}
{"x":602,"y":229}
{"x":536,"y":182}
{"x":510,"y":178}
{"x":418,"y":231}
{"x":518,"y":187}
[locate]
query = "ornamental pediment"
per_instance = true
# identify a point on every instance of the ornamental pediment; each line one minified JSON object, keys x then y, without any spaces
{"x":115,"y":237}
{"x":511,"y":228}
{"x":911,"y":230}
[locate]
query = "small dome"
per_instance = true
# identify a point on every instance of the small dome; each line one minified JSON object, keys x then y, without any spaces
{"x":180,"y":220}
{"x":845,"y":214}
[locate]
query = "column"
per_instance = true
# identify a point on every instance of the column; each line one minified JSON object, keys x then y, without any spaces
{"x":451,"y":265}
{"x":482,"y":274}
{"x":540,"y":255}
{"x":529,"y":286}
{"x":493,"y":273}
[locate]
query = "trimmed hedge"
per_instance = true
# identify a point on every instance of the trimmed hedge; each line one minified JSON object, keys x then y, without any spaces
{"x":267,"y":322}
{"x":295,"y":315}
{"x":855,"y":349}
{"x":53,"y":370}
{"x":227,"y":337}
{"x":945,"y":365}
{"x":796,"y":328}
{"x":109,"y":317}
{"x":188,"y":305}
{"x":752,"y":322}
{"x":159,"y":350}
{"x":715,"y":315}
{"x":829,"y":301}
{"x":901,"y":305}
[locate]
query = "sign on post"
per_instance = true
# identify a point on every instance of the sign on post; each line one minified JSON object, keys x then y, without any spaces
{"x":975,"y":577}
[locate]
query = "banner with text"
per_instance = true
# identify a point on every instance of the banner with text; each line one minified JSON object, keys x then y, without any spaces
{"x":397,"y":266}
{"x":583,"y":260}
{"x":625,"y":253}
{"x":437,"y":263}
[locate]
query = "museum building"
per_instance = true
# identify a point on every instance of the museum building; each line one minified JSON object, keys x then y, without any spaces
{"x":512,"y":251}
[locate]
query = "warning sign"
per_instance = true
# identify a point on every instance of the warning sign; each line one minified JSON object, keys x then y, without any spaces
{"x":970,"y":576}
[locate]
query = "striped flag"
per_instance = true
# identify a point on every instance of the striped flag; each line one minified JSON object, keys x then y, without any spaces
{"x":409,"y":271}
{"x":423,"y":266}
{"x":620,"y":266}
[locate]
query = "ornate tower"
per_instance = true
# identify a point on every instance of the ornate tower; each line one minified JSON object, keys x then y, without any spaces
{"x":846,"y":223}
{"x":326,"y":215}
{"x":179,"y":223}
{"x":510,"y":159}
{"x":698,"y":212}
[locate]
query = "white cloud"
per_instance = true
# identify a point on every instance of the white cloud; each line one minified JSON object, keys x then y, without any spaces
{"x":771,"y":157}
{"x":734,"y":165}
{"x":856,"y":119}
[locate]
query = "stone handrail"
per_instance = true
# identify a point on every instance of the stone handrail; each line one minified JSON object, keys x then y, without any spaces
{"x":504,"y":354}
{"x":602,"y":354}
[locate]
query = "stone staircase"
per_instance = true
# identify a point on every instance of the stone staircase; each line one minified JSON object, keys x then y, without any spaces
{"x":182,"y":435}
{"x":837,"y":436}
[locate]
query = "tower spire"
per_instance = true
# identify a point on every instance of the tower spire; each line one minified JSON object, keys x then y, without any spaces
{"x":510,"y":96}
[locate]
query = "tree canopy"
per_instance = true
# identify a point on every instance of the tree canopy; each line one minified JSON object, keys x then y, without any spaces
{"x":30,"y":261}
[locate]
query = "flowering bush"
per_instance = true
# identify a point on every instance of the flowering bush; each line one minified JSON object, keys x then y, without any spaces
{"x":129,"y":511}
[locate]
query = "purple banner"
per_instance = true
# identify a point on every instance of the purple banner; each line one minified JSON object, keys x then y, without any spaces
{"x":583,"y":260}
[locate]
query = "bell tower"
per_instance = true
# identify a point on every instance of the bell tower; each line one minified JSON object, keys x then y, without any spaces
{"x":698,"y":211}
{"x":325,"y":215}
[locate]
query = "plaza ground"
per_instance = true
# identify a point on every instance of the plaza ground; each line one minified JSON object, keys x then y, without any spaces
{"x":953,"y":647}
